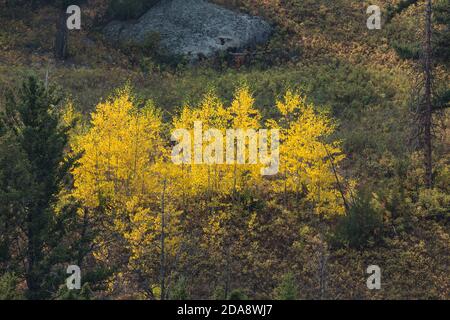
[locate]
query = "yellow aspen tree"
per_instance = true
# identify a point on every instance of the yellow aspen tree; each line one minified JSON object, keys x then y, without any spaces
{"x":213,"y":117}
{"x":200,"y":174}
{"x":118,"y":177}
{"x":308,"y":161}
{"x":244,"y":116}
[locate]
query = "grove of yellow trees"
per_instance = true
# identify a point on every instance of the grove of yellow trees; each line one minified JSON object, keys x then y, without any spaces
{"x":144,"y":203}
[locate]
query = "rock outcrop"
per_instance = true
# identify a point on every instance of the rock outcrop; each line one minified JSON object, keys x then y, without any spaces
{"x":192,"y":28}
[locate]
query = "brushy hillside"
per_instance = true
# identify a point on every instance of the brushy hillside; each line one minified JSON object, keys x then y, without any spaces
{"x":323,"y":48}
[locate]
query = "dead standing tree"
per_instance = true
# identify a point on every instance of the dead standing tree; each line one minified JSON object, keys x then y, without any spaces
{"x":61,"y":37}
{"x":426,"y":112}
{"x":62,"y":31}
{"x":60,"y":49}
{"x":424,"y":104}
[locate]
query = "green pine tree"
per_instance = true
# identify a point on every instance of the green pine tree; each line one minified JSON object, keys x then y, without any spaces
{"x":33,"y":143}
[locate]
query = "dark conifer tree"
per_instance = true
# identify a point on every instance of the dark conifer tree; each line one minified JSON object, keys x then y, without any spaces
{"x":33,"y":153}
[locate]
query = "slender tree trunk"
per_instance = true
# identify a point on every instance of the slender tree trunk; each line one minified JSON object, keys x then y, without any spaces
{"x":163,"y":269}
{"x":61,"y":36}
{"x":427,"y":116}
{"x":32,"y":284}
{"x":336,"y":177}
{"x":34,"y":254}
{"x":228,"y":273}
{"x":83,"y":241}
{"x":323,"y":261}
{"x":323,"y":272}
{"x":285,"y":199}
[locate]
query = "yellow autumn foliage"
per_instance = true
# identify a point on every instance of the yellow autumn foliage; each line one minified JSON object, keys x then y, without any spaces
{"x":307,"y":159}
{"x":125,"y":175}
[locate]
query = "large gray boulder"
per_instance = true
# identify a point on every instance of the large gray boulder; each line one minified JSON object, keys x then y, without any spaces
{"x":192,"y":28}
